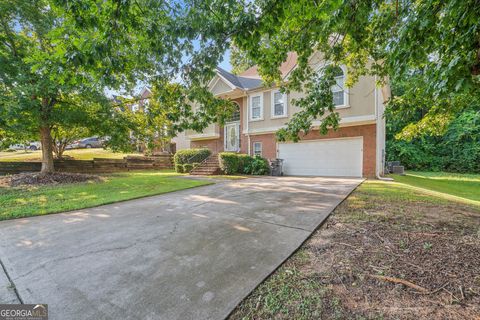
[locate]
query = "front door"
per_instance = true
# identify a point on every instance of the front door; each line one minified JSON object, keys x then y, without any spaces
{"x":232,"y":136}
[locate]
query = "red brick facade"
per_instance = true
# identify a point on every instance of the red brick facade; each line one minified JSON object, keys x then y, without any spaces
{"x":269,"y":144}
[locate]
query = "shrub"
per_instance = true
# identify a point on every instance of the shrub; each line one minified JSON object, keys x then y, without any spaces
{"x":195,"y":164}
{"x":187,"y":167}
{"x":258,"y":166}
{"x":233,"y":163}
{"x":229,"y":162}
{"x":179,"y":168}
{"x":191,"y":155}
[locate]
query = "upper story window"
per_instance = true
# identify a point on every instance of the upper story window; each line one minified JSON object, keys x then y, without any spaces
{"x":236,"y":114}
{"x":338,"y":89}
{"x":279,"y":104}
{"x":256,"y":107}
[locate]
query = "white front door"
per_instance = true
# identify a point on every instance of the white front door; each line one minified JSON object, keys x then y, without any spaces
{"x":232,"y":136}
{"x":327,"y":157}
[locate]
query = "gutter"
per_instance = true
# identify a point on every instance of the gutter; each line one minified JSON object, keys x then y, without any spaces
{"x":377,"y":171}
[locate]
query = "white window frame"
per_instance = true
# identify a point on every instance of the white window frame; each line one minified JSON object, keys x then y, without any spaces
{"x":272,"y":107}
{"x":258,"y":143}
{"x":345,"y":90}
{"x":251,"y":107}
{"x":346,"y":101}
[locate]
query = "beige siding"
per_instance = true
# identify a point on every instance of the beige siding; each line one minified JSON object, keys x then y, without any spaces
{"x":361,"y":99}
{"x":220,"y":87}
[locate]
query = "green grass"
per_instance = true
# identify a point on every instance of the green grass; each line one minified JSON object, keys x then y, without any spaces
{"x":22,"y":202}
{"x":463,"y":186}
{"x":78,"y":154}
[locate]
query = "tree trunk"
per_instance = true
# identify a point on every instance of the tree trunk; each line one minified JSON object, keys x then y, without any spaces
{"x":47,"y":150}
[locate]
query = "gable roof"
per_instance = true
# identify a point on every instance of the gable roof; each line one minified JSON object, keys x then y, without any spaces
{"x":285,"y":67}
{"x":239,"y":81}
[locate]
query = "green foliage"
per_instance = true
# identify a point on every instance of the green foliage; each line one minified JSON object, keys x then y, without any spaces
{"x":258,"y":166}
{"x":187,"y":167}
{"x":58,"y":59}
{"x":239,"y":60}
{"x":191,"y":155}
{"x":178,"y":168}
{"x":234,"y":163}
{"x":457,"y":150}
{"x":229,"y":162}
{"x":436,"y":40}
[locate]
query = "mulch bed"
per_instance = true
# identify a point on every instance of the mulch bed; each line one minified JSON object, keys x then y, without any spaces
{"x":38,"y":179}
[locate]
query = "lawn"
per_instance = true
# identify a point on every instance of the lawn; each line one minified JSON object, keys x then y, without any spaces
{"x":389,"y":251}
{"x":25,"y":202}
{"x":466,"y":186}
{"x":78,"y":154}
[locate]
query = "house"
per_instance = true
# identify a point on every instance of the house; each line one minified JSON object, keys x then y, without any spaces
{"x":356,"y":149}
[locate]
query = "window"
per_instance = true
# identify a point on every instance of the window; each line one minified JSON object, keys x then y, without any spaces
{"x":256,"y":107}
{"x":236,"y":114}
{"x":279,"y":104}
{"x":338,"y":89}
{"x":257,"y":149}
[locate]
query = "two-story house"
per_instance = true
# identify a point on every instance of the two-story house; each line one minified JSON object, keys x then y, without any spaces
{"x":356,"y":149}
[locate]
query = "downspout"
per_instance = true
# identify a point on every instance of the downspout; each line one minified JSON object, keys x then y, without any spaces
{"x":377,"y":155}
{"x":247,"y":121}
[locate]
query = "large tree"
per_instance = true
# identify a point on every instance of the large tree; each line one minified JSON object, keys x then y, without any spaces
{"x":59,"y":58}
{"x":439,"y":40}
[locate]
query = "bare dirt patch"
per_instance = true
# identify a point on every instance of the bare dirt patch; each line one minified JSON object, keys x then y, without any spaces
{"x":37,"y":179}
{"x":379,"y":258}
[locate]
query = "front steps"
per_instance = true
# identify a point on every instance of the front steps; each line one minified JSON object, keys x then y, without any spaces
{"x":208,"y":167}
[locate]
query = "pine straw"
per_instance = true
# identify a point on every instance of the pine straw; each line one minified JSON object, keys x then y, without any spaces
{"x":38,"y":179}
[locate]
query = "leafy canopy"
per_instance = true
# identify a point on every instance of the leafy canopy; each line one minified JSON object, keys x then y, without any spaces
{"x":439,"y":40}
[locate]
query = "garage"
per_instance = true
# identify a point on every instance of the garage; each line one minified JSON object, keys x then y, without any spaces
{"x":341,"y":157}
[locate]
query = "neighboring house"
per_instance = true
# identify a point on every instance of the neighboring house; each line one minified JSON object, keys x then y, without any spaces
{"x":356,"y":149}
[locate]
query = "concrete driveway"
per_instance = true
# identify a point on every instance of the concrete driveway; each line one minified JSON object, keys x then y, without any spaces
{"x":192,"y":254}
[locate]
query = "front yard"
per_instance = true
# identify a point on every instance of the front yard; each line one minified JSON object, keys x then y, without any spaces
{"x":32,"y":201}
{"x":390,"y":251}
{"x":77,"y":154}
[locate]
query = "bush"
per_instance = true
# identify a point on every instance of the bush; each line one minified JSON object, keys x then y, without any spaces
{"x":258,"y":166}
{"x":233,"y":163}
{"x":457,"y":150}
{"x":191,"y":155}
{"x":179,"y":168}
{"x":195,"y":164}
{"x":229,"y":162}
{"x":187,"y":167}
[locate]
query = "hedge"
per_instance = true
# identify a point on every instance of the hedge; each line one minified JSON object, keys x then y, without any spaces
{"x":234,"y":163}
{"x":187,"y":167}
{"x":179,"y":168}
{"x":191,"y":156}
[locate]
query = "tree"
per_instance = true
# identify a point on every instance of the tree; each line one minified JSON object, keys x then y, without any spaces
{"x":62,"y":137}
{"x":438,"y":39}
{"x":239,"y":60}
{"x":59,"y":58}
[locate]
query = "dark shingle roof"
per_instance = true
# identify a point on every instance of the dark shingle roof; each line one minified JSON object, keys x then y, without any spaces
{"x":240,"y":82}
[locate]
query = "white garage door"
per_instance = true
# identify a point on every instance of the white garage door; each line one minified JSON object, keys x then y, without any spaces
{"x":332,"y":157}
